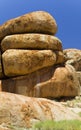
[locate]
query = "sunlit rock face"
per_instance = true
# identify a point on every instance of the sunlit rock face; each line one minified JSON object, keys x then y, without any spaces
{"x":21,"y":62}
{"x":74,"y":58}
{"x":31,"y":41}
{"x":34,"y":22}
{"x":22,"y":111}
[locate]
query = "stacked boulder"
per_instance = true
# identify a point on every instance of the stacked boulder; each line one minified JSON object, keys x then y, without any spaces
{"x":32,"y":59}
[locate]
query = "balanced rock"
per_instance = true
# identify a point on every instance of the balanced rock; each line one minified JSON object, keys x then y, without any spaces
{"x":35,"y":22}
{"x":24,"y":111}
{"x":74,"y":58}
{"x":31,"y":41}
{"x":21,"y":62}
{"x":48,"y":82}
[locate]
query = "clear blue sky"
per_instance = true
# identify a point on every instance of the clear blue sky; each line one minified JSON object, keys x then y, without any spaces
{"x":67,"y":14}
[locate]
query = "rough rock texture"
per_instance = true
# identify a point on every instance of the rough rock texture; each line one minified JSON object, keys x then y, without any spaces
{"x":21,"y":62}
{"x":30,"y":51}
{"x":23,"y":111}
{"x":79,"y":78}
{"x":2,"y":127}
{"x":35,"y":22}
{"x":48,"y":82}
{"x":74,"y":58}
{"x":31,"y":41}
{"x":0,"y":85}
{"x":1,"y":70}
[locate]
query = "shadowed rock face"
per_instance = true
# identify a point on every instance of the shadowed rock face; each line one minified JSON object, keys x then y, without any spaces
{"x":35,"y":22}
{"x":31,"y":41}
{"x":24,"y":111}
{"x":21,"y":62}
{"x":50,"y":82}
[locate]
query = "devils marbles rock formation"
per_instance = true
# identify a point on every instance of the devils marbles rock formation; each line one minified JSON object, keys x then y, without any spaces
{"x":23,"y":111}
{"x":29,"y":48}
{"x":31,"y":41}
{"x":48,"y":82}
{"x":35,"y":22}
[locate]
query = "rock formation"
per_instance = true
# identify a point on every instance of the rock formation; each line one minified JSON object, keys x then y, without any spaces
{"x":35,"y":22}
{"x":48,"y":82}
{"x":33,"y":63}
{"x":21,"y":62}
{"x":31,"y":41}
{"x":32,"y":59}
{"x":22,"y":111}
{"x":74,"y":59}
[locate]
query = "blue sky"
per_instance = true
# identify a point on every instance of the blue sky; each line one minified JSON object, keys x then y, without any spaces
{"x":67,"y":14}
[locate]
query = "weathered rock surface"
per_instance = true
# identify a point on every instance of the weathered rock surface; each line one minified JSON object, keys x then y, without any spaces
{"x":79,"y":78}
{"x":48,"y":82}
{"x":2,"y":127}
{"x":31,"y":41}
{"x":1,"y":70}
{"x":21,"y":62}
{"x":24,"y":111}
{"x":74,"y":58}
{"x":35,"y":22}
{"x":0,"y":85}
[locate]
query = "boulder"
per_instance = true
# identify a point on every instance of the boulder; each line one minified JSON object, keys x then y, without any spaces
{"x":34,"y":22}
{"x":74,"y":58}
{"x":21,"y":62}
{"x":48,"y":82}
{"x":21,"y":111}
{"x":31,"y":41}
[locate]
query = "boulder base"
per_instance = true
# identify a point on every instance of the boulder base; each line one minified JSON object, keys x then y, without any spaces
{"x":48,"y":82}
{"x":21,"y":111}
